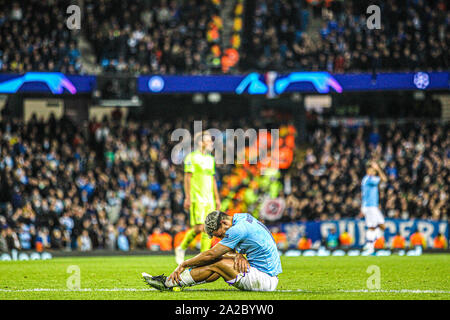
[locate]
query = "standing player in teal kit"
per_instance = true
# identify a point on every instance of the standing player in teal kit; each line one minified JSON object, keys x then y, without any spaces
{"x":370,"y":205}
{"x":241,"y":235}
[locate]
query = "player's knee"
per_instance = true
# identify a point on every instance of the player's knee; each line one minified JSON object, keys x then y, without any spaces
{"x":213,"y":277}
{"x":223,"y":263}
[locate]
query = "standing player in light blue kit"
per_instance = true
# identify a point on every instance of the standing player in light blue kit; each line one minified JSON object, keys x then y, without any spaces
{"x":370,"y":205}
{"x":241,"y":235}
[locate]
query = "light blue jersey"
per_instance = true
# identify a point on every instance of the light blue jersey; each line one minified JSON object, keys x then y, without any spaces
{"x":249,"y":236}
{"x":370,"y":197}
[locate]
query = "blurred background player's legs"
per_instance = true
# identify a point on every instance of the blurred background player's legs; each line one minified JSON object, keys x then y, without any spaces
{"x":198,"y":214}
{"x":371,"y":235}
{"x":380,"y":231}
{"x":371,"y":232}
{"x":375,"y":227}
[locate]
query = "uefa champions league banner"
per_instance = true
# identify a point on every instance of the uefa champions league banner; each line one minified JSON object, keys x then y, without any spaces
{"x":270,"y":83}
{"x":273,"y":84}
{"x":46,"y":83}
{"x":356,"y":228}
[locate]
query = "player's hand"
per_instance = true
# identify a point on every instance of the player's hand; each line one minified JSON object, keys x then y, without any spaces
{"x":241,"y":264}
{"x":187,"y":203}
{"x":176,"y":274}
{"x":218,"y":204}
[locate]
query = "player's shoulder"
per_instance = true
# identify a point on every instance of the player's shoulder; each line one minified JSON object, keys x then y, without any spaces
{"x":237,"y":230}
{"x":239,"y":217}
{"x":243,"y":220}
{"x":238,"y":221}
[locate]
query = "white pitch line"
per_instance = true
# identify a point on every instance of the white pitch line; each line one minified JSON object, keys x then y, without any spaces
{"x":77,"y":290}
{"x":298,"y":290}
{"x":369,"y":291}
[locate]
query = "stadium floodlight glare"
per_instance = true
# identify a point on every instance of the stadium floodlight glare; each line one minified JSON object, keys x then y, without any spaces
{"x":198,"y":98}
{"x":214,"y":97}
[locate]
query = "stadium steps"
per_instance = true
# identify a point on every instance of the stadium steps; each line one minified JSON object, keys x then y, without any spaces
{"x":313,"y":26}
{"x":88,"y":60}
{"x":3,"y":100}
{"x":445,"y":101}
{"x":226,"y":14}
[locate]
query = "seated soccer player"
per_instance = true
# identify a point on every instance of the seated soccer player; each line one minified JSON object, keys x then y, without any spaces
{"x":241,"y":233}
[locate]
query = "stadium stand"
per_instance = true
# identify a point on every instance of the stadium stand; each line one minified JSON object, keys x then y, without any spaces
{"x":414,"y":35}
{"x":164,"y":37}
{"x":33,"y":37}
{"x":173,"y":37}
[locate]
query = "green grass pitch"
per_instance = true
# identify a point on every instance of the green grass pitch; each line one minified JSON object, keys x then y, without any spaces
{"x":422,"y":277}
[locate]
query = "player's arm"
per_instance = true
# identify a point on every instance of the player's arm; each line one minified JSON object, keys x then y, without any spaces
{"x":187,"y":190}
{"x":240,"y":261}
{"x":216,"y":193}
{"x":380,"y":172}
{"x":201,"y":259}
{"x":230,"y":254}
{"x":207,"y":256}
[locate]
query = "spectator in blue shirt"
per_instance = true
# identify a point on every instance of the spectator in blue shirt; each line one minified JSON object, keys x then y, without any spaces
{"x":374,"y":137}
{"x":25,"y":237}
{"x":332,"y":239}
{"x":122,"y":242}
{"x":391,"y":170}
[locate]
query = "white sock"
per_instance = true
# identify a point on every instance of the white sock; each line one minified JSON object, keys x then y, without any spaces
{"x":186,"y":280}
{"x":170,"y":283}
{"x":379,"y":233}
{"x":370,"y":238}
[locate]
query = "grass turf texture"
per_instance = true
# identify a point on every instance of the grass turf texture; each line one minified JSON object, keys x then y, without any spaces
{"x":315,"y":277}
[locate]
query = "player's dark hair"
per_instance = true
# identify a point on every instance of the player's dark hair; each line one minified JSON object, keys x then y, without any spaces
{"x":213,"y":220}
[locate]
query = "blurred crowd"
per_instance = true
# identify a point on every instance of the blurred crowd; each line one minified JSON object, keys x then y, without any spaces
{"x":415,"y":158}
{"x":107,"y":184}
{"x":414,"y":35}
{"x":185,"y":36}
{"x":34,"y":37}
{"x":104,"y":185}
{"x":164,"y":37}
{"x":112,"y":184}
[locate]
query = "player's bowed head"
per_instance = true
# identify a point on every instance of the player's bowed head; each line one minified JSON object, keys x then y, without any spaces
{"x":217,"y":223}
